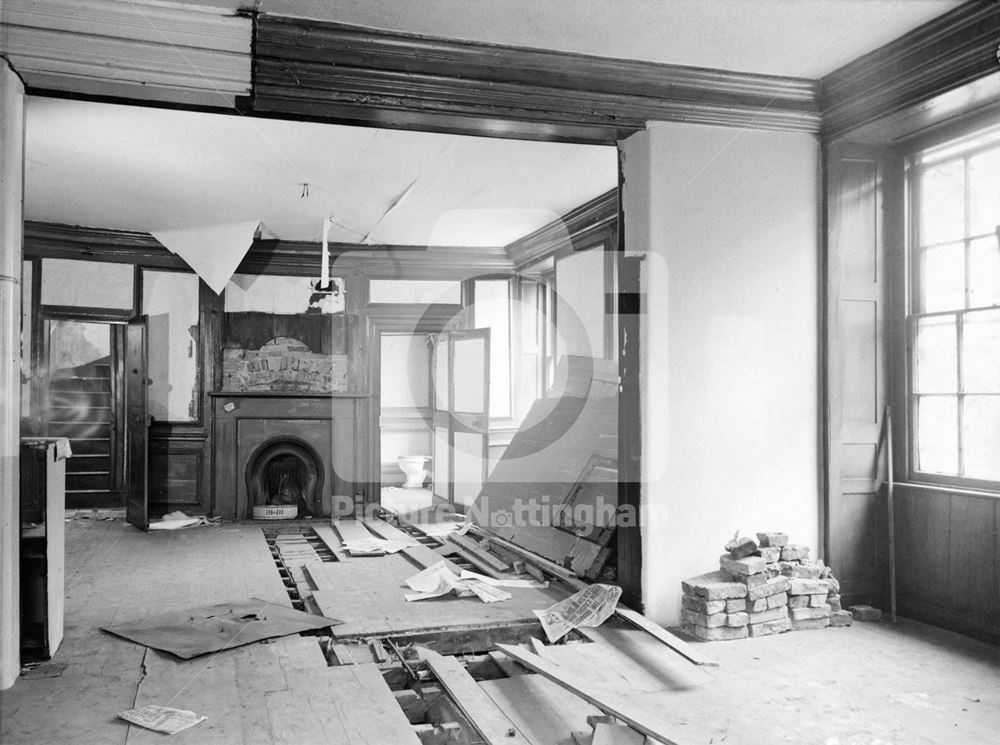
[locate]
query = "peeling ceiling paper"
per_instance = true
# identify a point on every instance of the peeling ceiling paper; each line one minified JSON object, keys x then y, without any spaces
{"x":213,"y":251}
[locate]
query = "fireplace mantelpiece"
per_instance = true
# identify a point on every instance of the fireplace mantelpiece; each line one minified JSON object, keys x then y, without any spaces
{"x":246,"y":421}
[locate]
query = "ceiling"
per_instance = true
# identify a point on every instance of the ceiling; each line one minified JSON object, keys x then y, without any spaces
{"x":798,"y":38}
{"x":147,"y":169}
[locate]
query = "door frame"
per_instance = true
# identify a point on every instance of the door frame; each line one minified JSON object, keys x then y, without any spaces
{"x":395,"y":319}
{"x":39,"y":380}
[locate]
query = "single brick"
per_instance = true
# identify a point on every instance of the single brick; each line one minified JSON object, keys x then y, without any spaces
{"x":865,"y":613}
{"x":809,"y":624}
{"x":771,"y":587}
{"x":710,"y":621}
{"x":772,"y":614}
{"x":770,"y":554}
{"x":768,"y":628}
{"x":736,"y":620}
{"x":841,"y":618}
{"x":744,"y":567}
{"x":794,"y":551}
{"x":700,"y":605}
{"x":798,"y":601}
{"x":777,"y":601}
{"x":720,"y":634}
{"x":834,"y":602}
{"x":714,"y":586}
{"x":753,"y":580}
{"x":756,"y":606}
{"x":809,"y":587}
{"x":772,"y":571}
{"x":740,"y":547}
{"x":801,"y":614}
{"x":834,"y":584}
{"x":772,"y":539}
{"x":734,"y":605}
{"x":802,"y":570}
{"x":817,"y":601}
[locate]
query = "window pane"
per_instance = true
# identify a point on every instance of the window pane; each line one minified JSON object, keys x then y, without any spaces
{"x":937,"y":357}
{"x":981,"y":352}
{"x":981,"y":437}
{"x":984,"y":272}
{"x":984,"y":192}
{"x":942,"y":280}
{"x":937,"y":434}
{"x":941,"y":207}
{"x":492,"y":311}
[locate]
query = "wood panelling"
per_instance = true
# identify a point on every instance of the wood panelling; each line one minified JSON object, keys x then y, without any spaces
{"x":176,"y":476}
{"x":100,"y":48}
{"x":947,"y":554}
{"x":855,"y":361}
{"x":344,"y":73}
{"x":952,"y":50}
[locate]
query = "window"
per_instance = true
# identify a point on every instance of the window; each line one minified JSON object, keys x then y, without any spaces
{"x":954,"y":312}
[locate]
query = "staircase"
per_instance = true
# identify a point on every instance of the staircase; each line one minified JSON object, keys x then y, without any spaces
{"x":80,"y":407}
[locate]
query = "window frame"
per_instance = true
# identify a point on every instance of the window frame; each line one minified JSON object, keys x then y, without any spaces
{"x":963,"y":141}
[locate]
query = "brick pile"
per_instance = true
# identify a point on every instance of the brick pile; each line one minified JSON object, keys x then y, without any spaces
{"x":762,"y":587}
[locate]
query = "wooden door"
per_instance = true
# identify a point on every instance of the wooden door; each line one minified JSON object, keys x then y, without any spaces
{"x":856,"y":358}
{"x":461,"y":415}
{"x":136,"y":425}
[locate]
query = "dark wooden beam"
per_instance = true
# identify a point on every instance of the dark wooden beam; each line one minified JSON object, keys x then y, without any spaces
{"x":293,"y":258}
{"x":953,"y":50}
{"x":335,"y":72}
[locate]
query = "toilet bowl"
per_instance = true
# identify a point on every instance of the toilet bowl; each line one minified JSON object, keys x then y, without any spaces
{"x":414,"y":468}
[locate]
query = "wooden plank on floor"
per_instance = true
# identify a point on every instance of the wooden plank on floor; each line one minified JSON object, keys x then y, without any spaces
{"x":680,"y":646}
{"x":330,"y":539}
{"x":420,"y":555}
{"x":636,"y":716}
{"x":351,"y":530}
{"x":357,"y":699}
{"x":546,"y":713}
{"x":491,"y":722}
{"x":317,"y":576}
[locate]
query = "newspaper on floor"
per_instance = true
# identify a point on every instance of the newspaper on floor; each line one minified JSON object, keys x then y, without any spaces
{"x":438,"y":580}
{"x":162,"y":718}
{"x":376,"y":546}
{"x":589,"y":607}
{"x":177,"y":520}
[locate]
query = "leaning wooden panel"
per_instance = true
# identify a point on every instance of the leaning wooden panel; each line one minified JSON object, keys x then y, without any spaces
{"x":495,"y":726}
{"x":636,"y":716}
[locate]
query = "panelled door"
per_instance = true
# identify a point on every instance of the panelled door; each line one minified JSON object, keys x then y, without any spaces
{"x":461,"y":415}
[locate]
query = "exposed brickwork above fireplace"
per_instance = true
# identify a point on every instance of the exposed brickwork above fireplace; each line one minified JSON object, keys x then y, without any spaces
{"x":284,"y":365}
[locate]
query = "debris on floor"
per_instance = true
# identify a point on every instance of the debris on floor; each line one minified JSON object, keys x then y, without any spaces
{"x":196,"y":631}
{"x":438,"y":580}
{"x":376,"y":546}
{"x":177,"y":520}
{"x":162,"y":718}
{"x":865,"y":613}
{"x":762,"y":587}
{"x":590,"y":607}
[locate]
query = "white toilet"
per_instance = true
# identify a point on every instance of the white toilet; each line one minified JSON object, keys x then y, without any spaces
{"x":414,"y":466}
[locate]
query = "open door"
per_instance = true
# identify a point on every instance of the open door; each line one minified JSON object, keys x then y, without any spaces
{"x":136,"y":424}
{"x":461,"y":415}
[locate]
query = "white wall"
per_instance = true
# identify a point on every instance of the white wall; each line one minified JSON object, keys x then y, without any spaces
{"x":728,"y":220}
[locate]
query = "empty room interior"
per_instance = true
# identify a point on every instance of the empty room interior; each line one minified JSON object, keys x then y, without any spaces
{"x":537,"y":373}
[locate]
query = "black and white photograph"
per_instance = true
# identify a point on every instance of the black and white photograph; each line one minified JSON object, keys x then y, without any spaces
{"x":481,"y":372}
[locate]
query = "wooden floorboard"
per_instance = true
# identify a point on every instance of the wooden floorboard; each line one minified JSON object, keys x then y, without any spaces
{"x":545,"y":713}
{"x":117,"y":573}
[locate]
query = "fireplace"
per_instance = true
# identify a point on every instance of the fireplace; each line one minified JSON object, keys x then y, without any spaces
{"x":285,"y":471}
{"x":286,"y":448}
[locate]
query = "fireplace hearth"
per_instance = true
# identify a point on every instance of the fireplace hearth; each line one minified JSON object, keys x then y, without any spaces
{"x":275,"y":449}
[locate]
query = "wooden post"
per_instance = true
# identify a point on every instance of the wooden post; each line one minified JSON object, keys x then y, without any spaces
{"x":11,"y":193}
{"x":889,"y":487}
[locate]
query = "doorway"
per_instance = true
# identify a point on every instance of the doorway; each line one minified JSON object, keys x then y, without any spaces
{"x":82,"y":400}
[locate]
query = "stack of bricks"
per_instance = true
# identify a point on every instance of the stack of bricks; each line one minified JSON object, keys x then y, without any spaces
{"x":761,"y":590}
